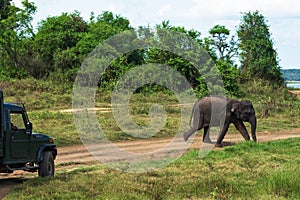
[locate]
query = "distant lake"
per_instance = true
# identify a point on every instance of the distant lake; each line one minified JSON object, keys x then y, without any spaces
{"x":295,"y":84}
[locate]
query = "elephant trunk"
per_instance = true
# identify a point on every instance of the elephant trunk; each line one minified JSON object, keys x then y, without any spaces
{"x":252,"y":121}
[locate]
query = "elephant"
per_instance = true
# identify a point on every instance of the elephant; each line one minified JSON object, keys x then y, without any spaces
{"x":221,"y":111}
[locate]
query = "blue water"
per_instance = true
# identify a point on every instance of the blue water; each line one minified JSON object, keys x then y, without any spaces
{"x":293,"y":85}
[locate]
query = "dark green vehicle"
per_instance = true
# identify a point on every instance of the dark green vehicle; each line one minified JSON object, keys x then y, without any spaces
{"x":20,"y":148}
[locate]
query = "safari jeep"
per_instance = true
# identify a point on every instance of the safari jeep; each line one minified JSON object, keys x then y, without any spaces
{"x":20,"y":148}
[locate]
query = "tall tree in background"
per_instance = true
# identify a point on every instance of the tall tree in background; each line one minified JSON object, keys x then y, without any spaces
{"x":56,"y":38}
{"x":222,"y":48}
{"x":64,"y":41}
{"x":257,"y":54}
{"x":221,"y":45}
{"x":15,"y":27}
{"x":173,"y":60}
{"x":4,"y":8}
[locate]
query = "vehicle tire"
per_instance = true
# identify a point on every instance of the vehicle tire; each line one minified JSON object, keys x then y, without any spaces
{"x":46,"y":166}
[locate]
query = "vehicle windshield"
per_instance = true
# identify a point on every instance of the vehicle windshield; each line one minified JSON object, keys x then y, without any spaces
{"x":17,"y":121}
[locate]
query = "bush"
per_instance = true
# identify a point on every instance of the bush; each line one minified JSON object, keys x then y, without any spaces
{"x":7,"y":73}
{"x":269,"y":98}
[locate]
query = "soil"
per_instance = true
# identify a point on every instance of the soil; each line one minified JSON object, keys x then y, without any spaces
{"x":296,"y":92}
{"x":74,"y":156}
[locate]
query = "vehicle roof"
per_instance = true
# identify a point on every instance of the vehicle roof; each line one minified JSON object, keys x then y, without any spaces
{"x":12,"y":106}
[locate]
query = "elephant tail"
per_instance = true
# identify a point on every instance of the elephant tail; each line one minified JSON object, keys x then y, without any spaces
{"x":193,"y":110}
{"x":191,"y":118}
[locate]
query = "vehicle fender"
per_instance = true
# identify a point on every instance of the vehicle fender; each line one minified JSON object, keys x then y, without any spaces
{"x":46,"y":147}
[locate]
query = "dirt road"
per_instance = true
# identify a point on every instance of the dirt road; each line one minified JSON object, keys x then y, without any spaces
{"x":74,"y":156}
{"x":78,"y":155}
{"x":296,"y":92}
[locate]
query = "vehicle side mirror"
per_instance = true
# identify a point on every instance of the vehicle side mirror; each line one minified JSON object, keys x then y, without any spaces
{"x":29,"y":126}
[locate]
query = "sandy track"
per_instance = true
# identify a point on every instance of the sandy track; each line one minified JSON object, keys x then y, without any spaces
{"x":74,"y":156}
{"x":79,"y":155}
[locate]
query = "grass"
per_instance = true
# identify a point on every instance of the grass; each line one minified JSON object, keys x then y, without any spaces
{"x":58,"y":125}
{"x":37,"y":94}
{"x":245,"y":171}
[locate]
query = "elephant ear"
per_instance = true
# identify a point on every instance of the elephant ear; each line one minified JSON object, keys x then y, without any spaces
{"x":235,"y":109}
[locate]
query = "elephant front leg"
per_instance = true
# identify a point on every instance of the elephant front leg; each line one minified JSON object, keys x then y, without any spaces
{"x":223,"y":131}
{"x":240,"y":126}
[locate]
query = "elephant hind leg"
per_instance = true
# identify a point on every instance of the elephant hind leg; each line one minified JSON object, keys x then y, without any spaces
{"x":197,"y":124}
{"x":206,"y":138}
{"x":188,"y":134}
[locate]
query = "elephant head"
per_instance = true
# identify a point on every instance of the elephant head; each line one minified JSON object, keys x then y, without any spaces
{"x":244,"y":111}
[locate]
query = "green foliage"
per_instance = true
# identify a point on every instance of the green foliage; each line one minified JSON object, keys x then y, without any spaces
{"x":56,"y":39}
{"x":187,"y":56}
{"x":271,"y":99}
{"x":258,"y":56}
{"x":63,"y":42}
{"x":119,"y":67}
{"x":15,"y":28}
{"x":4,"y":9}
{"x":230,"y":77}
{"x":222,"y":49}
{"x":219,"y":45}
{"x":6,"y":73}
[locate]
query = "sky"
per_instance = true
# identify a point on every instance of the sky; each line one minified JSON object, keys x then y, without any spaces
{"x":283,"y":17}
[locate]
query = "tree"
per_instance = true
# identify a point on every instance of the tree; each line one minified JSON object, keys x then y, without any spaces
{"x":4,"y":9}
{"x":15,"y":26}
{"x":229,"y":75}
{"x":222,"y":49}
{"x":106,"y":25}
{"x":257,"y":54}
{"x":175,"y":61}
{"x":221,"y":46}
{"x":56,"y":40}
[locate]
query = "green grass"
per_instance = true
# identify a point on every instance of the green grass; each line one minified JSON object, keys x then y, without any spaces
{"x":37,"y":94}
{"x":245,"y":171}
{"x":58,"y":125}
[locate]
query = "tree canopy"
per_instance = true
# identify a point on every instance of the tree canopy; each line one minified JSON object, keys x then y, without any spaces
{"x":257,"y":54}
{"x":61,"y":43}
{"x":15,"y":31}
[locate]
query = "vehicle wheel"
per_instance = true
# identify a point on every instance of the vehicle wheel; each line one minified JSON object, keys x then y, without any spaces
{"x":46,"y":166}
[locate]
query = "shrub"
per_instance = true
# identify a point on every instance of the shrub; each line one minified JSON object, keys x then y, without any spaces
{"x":269,"y":98}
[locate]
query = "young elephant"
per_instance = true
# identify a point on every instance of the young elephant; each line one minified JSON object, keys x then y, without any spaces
{"x":221,"y":111}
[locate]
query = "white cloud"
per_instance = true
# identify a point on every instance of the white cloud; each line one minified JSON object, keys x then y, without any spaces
{"x":17,"y":3}
{"x":164,"y":10}
{"x":233,"y":8}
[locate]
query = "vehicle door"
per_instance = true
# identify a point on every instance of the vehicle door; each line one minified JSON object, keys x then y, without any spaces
{"x":20,"y":137}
